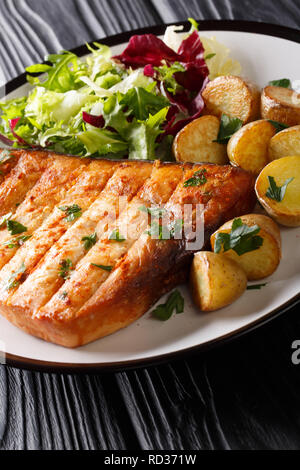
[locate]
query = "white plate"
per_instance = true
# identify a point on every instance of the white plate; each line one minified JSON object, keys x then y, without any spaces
{"x":263,"y":58}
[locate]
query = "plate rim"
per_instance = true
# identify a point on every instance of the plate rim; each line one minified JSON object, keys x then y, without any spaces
{"x":24,"y":363}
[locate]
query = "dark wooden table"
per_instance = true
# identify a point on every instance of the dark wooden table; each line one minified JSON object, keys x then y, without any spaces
{"x":245,"y":395}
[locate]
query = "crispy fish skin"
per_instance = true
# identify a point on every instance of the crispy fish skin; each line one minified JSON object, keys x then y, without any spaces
{"x":143,"y":271}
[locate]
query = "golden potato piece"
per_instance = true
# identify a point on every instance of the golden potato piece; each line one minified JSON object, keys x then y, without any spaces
{"x":248,"y":147}
{"x":285,"y":143}
{"x":194,"y":143}
{"x":216,"y":281}
{"x":286,"y":211}
{"x":262,"y":262}
{"x":280,"y":104}
{"x":233,"y":96}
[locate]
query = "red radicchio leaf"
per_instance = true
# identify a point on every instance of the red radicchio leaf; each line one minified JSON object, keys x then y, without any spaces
{"x":12,"y":124}
{"x":149,"y":71}
{"x":146,"y":49}
{"x":5,"y":140}
{"x":149,"y":51}
{"x":191,"y":48}
{"x":195,"y":109}
{"x":96,"y":121}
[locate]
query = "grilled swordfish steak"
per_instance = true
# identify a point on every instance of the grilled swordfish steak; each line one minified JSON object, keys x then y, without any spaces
{"x":77,"y":257}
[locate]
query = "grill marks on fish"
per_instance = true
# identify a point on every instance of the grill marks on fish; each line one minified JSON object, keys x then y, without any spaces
{"x":131,"y":224}
{"x":39,"y":202}
{"x":45,"y":277}
{"x":83,"y":192}
{"x":94,"y":302}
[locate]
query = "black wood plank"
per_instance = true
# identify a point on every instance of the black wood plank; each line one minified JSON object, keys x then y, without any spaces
{"x":283,"y":12}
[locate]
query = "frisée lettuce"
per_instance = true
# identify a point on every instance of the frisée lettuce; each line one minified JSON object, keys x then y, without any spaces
{"x":129,"y":106}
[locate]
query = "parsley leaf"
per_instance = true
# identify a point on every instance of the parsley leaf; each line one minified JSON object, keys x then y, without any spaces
{"x":14,"y":279}
{"x":63,"y":295}
{"x":115,"y":236}
{"x":101,"y":266}
{"x":175,"y":302}
{"x":228,"y":127}
{"x":275,"y":192}
{"x":65,"y":268}
{"x":279,"y":126}
{"x":16,"y":242}
{"x":73,"y":212}
{"x":89,"y":241}
{"x":15,"y":227}
{"x":256,"y":286}
{"x":241,"y":239}
{"x":283,"y":82}
{"x":198,"y":179}
{"x":4,"y":219}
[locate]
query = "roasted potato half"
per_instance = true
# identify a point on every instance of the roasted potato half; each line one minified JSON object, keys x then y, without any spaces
{"x":248,"y":147}
{"x":233,"y":96}
{"x":287,"y":210}
{"x":285,"y":143}
{"x":281,"y":104}
{"x":263,"y":261}
{"x":195,"y":142}
{"x":216,"y":281}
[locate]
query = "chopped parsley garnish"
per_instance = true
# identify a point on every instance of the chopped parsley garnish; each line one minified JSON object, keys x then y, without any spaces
{"x":175,"y":302}
{"x":5,"y":156}
{"x":14,"y":279}
{"x":66,"y":266}
{"x":115,"y":236}
{"x":16,"y":242}
{"x":228,"y":127}
{"x":283,"y":82}
{"x":279,"y":126}
{"x":101,"y":266}
{"x":198,"y":179}
{"x":275,"y":192}
{"x":63,"y":295}
{"x":15,"y":227}
{"x":153,"y":211}
{"x":241,"y":239}
{"x":72,"y":212}
{"x":256,"y":286}
{"x":89,"y":241}
{"x":4,"y":219}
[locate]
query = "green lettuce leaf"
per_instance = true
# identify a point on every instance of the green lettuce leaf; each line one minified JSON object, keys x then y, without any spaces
{"x":143,"y":134}
{"x":142,"y":103}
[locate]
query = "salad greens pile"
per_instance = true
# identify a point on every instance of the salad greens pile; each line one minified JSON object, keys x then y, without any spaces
{"x":59,"y":114}
{"x":129,"y":106}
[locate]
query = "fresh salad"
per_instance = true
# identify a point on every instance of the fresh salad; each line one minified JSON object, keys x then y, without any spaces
{"x":128,"y":106}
